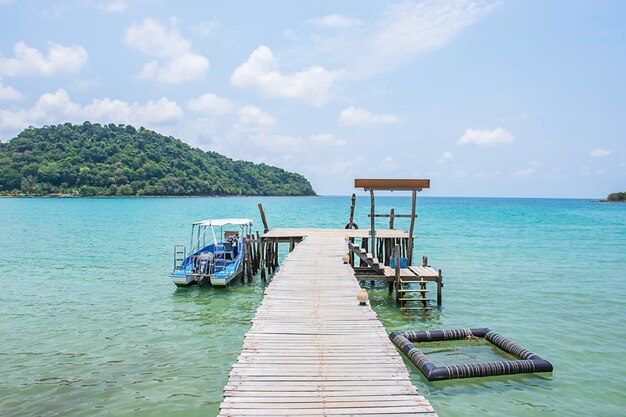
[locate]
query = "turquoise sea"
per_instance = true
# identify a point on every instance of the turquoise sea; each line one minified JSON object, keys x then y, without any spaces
{"x":90,"y":324}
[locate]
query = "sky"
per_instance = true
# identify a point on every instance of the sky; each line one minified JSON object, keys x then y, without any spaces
{"x":503,"y":98}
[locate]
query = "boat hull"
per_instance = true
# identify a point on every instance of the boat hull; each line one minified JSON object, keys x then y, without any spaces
{"x":224,"y":281}
{"x":181,"y":280}
{"x":220,"y":280}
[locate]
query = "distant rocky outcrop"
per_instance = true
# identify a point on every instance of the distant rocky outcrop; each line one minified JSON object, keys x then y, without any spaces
{"x":616,"y":198}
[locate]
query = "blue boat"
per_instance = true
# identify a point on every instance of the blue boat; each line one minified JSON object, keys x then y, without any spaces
{"x":216,"y":254}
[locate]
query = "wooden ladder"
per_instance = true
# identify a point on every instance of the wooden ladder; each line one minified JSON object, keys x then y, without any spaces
{"x":367,"y":258}
{"x":419,"y":295}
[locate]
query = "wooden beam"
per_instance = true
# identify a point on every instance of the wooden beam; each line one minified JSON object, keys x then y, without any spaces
{"x":408,"y":216}
{"x":265,"y":226}
{"x":392,"y":184}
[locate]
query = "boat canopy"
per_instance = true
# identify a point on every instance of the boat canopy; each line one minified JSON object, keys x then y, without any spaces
{"x":224,"y":222}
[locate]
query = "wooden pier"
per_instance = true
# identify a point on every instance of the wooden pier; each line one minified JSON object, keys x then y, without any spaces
{"x":313,"y":350}
{"x":369,"y":267}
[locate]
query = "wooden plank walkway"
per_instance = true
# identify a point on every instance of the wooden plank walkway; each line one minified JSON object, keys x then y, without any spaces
{"x":313,"y":351}
{"x":286,"y":233}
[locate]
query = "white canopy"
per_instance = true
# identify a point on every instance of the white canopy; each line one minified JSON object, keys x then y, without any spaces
{"x":224,"y":222}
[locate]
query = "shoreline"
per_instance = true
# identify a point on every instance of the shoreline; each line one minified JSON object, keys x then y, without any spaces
{"x":589,"y":199}
{"x":151,"y":196}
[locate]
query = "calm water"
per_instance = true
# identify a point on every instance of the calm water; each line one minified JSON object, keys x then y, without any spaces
{"x":90,"y":324}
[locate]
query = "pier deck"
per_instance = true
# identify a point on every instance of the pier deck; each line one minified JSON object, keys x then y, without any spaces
{"x":284,"y":234}
{"x":313,"y":351}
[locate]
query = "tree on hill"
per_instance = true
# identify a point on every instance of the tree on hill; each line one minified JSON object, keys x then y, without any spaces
{"x":617,"y":197}
{"x":96,"y":160}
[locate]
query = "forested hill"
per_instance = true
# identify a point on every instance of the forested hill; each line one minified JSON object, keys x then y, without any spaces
{"x":92,"y":159}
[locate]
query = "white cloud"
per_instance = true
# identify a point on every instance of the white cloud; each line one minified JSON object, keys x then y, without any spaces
{"x":282,"y":143}
{"x":360,"y":117}
{"x":186,"y":67}
{"x":161,"y":111}
{"x":57,"y":107}
{"x":486,"y":137}
{"x":405,"y":30}
{"x":410,"y":28}
{"x":341,"y":167}
{"x":211,"y":105}
{"x":253,"y":118}
{"x":113,"y":6}
{"x":289,"y":34}
{"x":9,"y":93}
{"x":175,"y":61}
{"x":334,"y":21}
{"x":525,"y":172}
{"x":30,"y":61}
{"x":205,"y":29}
{"x":152,"y":38}
{"x":327,"y":139}
{"x":445,"y":158}
{"x":600,"y":153}
{"x":260,"y":72}
{"x":532,"y":168}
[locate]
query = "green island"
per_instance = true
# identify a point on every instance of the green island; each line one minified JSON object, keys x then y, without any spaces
{"x":119,"y":160}
{"x":616,"y":197}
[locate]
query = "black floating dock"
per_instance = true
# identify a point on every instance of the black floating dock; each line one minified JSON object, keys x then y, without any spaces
{"x":526,"y":362}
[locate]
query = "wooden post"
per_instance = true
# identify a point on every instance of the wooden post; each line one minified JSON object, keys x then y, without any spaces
{"x":351,"y":222}
{"x":263,"y":219}
{"x":364,"y":246}
{"x":258,"y":251}
{"x":246,"y":266}
{"x":351,"y":254}
{"x":439,"y":287}
{"x":372,"y":224}
{"x":391,"y":215}
{"x":262,"y":263}
{"x":269,"y":257}
{"x":249,"y":252}
{"x":397,"y":272}
{"x":411,"y":226}
{"x":387,"y":246}
{"x":424,"y":260}
{"x":250,"y":257}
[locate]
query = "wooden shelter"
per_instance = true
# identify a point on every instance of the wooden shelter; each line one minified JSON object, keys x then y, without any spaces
{"x":414,"y":186}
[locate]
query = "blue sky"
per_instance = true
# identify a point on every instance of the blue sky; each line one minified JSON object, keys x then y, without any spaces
{"x":508,"y":98}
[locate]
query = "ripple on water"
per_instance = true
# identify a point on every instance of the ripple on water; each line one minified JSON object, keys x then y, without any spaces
{"x":95,"y":327}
